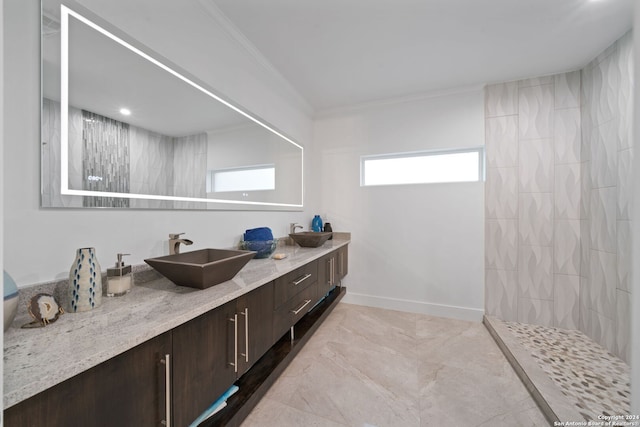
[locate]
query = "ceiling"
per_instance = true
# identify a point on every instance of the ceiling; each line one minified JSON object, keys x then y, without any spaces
{"x":339,"y":53}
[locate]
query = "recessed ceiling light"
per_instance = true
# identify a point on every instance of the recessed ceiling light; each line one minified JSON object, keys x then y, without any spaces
{"x":125,"y":111}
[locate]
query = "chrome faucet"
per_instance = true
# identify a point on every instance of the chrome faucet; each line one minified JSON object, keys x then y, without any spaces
{"x":293,"y":227}
{"x":174,"y":243}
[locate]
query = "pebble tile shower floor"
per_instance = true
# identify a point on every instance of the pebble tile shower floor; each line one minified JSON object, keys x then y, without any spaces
{"x":594,"y":380}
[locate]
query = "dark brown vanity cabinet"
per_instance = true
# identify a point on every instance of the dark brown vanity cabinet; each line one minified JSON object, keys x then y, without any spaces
{"x":203,"y":350}
{"x":211,"y":351}
{"x":295,"y":294}
{"x":255,"y":326}
{"x":128,"y":390}
{"x":342,"y":263}
{"x":331,"y":270}
{"x":180,"y":373}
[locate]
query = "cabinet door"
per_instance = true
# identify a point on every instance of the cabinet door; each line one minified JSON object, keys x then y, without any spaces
{"x":342,"y":267}
{"x":127,"y":390}
{"x":255,"y":325}
{"x":203,"y":350}
{"x":326,"y":279}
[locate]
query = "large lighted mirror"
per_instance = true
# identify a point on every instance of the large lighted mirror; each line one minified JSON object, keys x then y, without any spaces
{"x":123,"y":127}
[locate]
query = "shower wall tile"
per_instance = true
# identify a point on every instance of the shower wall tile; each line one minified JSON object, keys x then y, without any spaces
{"x":566,"y":248}
{"x":566,"y":301}
{"x":536,"y":219}
{"x":603,"y":331}
{"x":535,"y":81}
{"x":607,"y":97}
{"x":567,"y":135}
{"x":535,"y":311}
{"x":567,"y":89}
{"x":624,"y":255}
{"x":603,"y":219}
{"x":501,"y":99}
{"x":567,"y":191}
{"x":623,"y":325}
{"x":602,"y":283}
{"x":591,"y":86}
{"x":536,"y":165}
{"x":501,"y":244}
{"x":573,"y":158}
{"x":625,"y":183}
{"x":502,"y":294}
{"x":501,"y":141}
{"x":585,"y":307}
{"x":625,"y":94}
{"x":585,"y":190}
{"x":535,"y":272}
{"x":604,"y":155}
{"x":585,"y":247}
{"x":535,"y":107}
{"x":502,"y":193}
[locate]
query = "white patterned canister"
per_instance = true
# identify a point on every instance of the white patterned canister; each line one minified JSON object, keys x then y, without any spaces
{"x":85,"y":282}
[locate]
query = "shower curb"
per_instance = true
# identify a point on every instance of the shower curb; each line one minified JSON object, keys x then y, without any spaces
{"x":552,"y":402}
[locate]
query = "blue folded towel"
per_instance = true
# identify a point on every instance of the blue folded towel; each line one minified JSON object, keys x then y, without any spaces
{"x":261,"y":233}
{"x":215,"y":406}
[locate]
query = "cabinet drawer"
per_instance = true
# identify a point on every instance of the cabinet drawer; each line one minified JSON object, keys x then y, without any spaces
{"x":293,"y":310}
{"x":294,"y":282}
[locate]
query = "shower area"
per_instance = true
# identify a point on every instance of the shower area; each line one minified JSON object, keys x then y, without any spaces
{"x":557,"y":232}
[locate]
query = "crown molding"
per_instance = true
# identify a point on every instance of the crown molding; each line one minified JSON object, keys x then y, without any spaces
{"x":355,"y":108}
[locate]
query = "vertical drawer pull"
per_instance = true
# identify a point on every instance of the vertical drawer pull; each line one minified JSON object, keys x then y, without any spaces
{"x":245,"y":313}
{"x":167,"y":390}
{"x":306,"y":303}
{"x":301,"y":279}
{"x":234,"y":319}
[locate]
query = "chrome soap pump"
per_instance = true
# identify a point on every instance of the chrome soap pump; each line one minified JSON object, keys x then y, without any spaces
{"x":119,"y":278}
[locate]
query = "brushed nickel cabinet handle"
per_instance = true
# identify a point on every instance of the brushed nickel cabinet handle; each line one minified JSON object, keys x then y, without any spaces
{"x":234,"y":319}
{"x":245,"y":313}
{"x":167,"y":389}
{"x":301,"y":279}
{"x":306,"y":303}
{"x":331,"y":270}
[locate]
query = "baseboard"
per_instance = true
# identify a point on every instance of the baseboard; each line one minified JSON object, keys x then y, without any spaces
{"x":440,"y":310}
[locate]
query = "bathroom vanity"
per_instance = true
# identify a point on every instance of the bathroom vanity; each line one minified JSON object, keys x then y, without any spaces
{"x":162,"y":354}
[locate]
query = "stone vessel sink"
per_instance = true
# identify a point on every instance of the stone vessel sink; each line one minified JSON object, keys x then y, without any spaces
{"x":203,"y":268}
{"x":310,"y":239}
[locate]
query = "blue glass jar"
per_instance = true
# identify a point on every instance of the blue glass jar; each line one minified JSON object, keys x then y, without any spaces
{"x":316,"y":224}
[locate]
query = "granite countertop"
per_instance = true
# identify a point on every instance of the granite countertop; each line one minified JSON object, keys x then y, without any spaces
{"x":37,"y":359}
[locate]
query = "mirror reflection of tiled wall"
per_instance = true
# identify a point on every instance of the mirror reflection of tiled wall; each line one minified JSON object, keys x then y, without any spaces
{"x":558,"y":197}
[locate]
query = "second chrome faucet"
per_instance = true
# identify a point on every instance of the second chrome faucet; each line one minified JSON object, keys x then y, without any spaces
{"x":174,"y":243}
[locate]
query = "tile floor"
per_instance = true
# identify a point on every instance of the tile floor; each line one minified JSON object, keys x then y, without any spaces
{"x":373,"y":367}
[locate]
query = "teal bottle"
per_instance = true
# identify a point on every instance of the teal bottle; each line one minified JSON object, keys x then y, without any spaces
{"x":316,"y":224}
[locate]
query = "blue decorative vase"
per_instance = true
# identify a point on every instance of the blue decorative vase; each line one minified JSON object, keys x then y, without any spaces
{"x":85,"y":282}
{"x":316,"y":224}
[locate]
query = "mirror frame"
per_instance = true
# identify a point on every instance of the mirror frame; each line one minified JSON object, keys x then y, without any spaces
{"x":98,"y":24}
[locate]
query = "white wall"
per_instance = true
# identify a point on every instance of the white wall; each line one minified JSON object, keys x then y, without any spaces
{"x":2,"y":140}
{"x":635,"y":221}
{"x":416,"y":248}
{"x":39,"y":244}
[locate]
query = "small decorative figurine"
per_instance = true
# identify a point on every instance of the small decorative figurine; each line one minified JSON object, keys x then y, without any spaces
{"x":44,"y":309}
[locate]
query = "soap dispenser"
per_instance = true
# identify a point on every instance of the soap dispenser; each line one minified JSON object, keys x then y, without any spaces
{"x":119,"y":278}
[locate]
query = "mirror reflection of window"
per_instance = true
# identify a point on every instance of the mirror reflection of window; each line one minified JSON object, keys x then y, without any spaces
{"x":257,"y":178}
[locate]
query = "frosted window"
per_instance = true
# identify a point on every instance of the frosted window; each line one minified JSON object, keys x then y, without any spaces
{"x":245,"y":179}
{"x":423,"y":168}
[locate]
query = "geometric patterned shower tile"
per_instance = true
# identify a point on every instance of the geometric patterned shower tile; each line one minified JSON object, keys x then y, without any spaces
{"x":594,"y":380}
